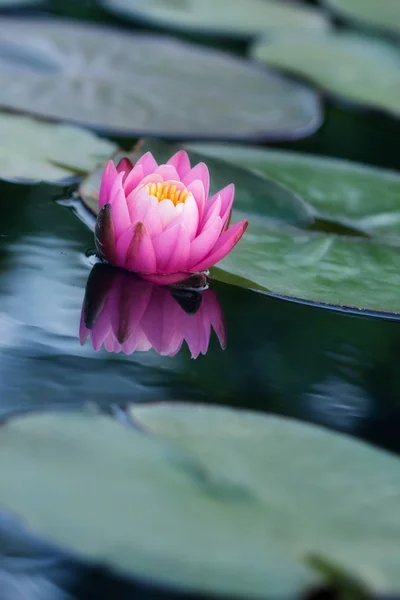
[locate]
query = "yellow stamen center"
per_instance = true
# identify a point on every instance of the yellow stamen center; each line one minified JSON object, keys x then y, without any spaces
{"x":168,"y":191}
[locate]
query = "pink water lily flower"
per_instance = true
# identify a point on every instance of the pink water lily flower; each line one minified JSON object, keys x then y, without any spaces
{"x":125,"y":313}
{"x":160,"y":222}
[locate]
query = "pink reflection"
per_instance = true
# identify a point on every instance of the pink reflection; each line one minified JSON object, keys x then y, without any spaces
{"x":124,"y":313}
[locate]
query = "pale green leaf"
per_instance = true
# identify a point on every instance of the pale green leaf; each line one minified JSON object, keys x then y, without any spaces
{"x":145,"y":83}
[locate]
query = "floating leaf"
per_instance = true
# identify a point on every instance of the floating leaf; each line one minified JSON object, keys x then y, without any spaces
{"x":307,"y":262}
{"x":145,"y":83}
{"x":361,"y":70}
{"x":384,"y":14}
{"x":241,"y":19}
{"x":211,"y":501}
{"x":365,"y":197}
{"x":37,"y":150}
{"x":254,"y":193}
{"x":323,"y":268}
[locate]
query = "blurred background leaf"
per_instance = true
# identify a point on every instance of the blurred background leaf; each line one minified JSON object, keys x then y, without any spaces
{"x":146,"y":84}
{"x":37,"y":150}
{"x":226,"y":482}
{"x":242,"y":19}
{"x":358,"y":69}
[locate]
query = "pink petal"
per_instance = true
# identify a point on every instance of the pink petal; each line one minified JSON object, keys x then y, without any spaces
{"x":120,"y":213}
{"x":152,"y":178}
{"x":168,"y":212}
{"x":148,"y":163}
{"x":122,"y":246}
{"x":189,"y":217}
{"x":200,"y":171}
{"x":143,"y":207}
{"x":181,"y":162}
{"x":172,"y":249}
{"x":203,"y":244}
{"x":167,"y":172}
{"x":124,"y":166}
{"x":140,"y":256}
{"x":196,"y":188}
{"x":109,"y":175}
{"x":133,"y":179}
{"x":227,"y":195}
{"x":211,"y":214}
{"x":226,"y":242}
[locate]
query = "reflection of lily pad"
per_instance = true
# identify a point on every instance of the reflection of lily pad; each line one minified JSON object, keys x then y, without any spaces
{"x":366,"y":197}
{"x":37,"y":150}
{"x":211,"y":501}
{"x":383,"y":14}
{"x":241,"y":18}
{"x":358,"y":69}
{"x":145,"y":83}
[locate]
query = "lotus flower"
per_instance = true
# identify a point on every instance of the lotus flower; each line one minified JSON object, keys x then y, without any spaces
{"x":159,"y":221}
{"x":126,"y":314}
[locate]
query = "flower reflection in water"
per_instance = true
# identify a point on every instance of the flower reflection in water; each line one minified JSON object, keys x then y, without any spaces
{"x":127,"y":314}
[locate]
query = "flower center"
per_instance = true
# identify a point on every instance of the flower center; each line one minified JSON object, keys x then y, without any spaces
{"x":168,"y":191}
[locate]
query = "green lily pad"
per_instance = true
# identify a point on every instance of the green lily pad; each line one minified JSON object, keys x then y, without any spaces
{"x":145,"y":84}
{"x":37,"y":150}
{"x":240,"y":19}
{"x":297,"y":246}
{"x":254,"y":193}
{"x":361,"y":70}
{"x":382,"y":14}
{"x":365,"y":197}
{"x":347,"y":272}
{"x":211,"y":501}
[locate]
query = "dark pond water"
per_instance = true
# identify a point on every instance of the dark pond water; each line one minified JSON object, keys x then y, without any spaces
{"x":316,"y":365}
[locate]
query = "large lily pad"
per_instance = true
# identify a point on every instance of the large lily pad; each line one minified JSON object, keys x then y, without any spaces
{"x":239,"y":19}
{"x":37,"y":150}
{"x":145,"y":83}
{"x":382,"y":14}
{"x":365,"y":197}
{"x":254,"y":193}
{"x":335,"y":255}
{"x":348,"y":272}
{"x":211,"y":501}
{"x":361,"y":70}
